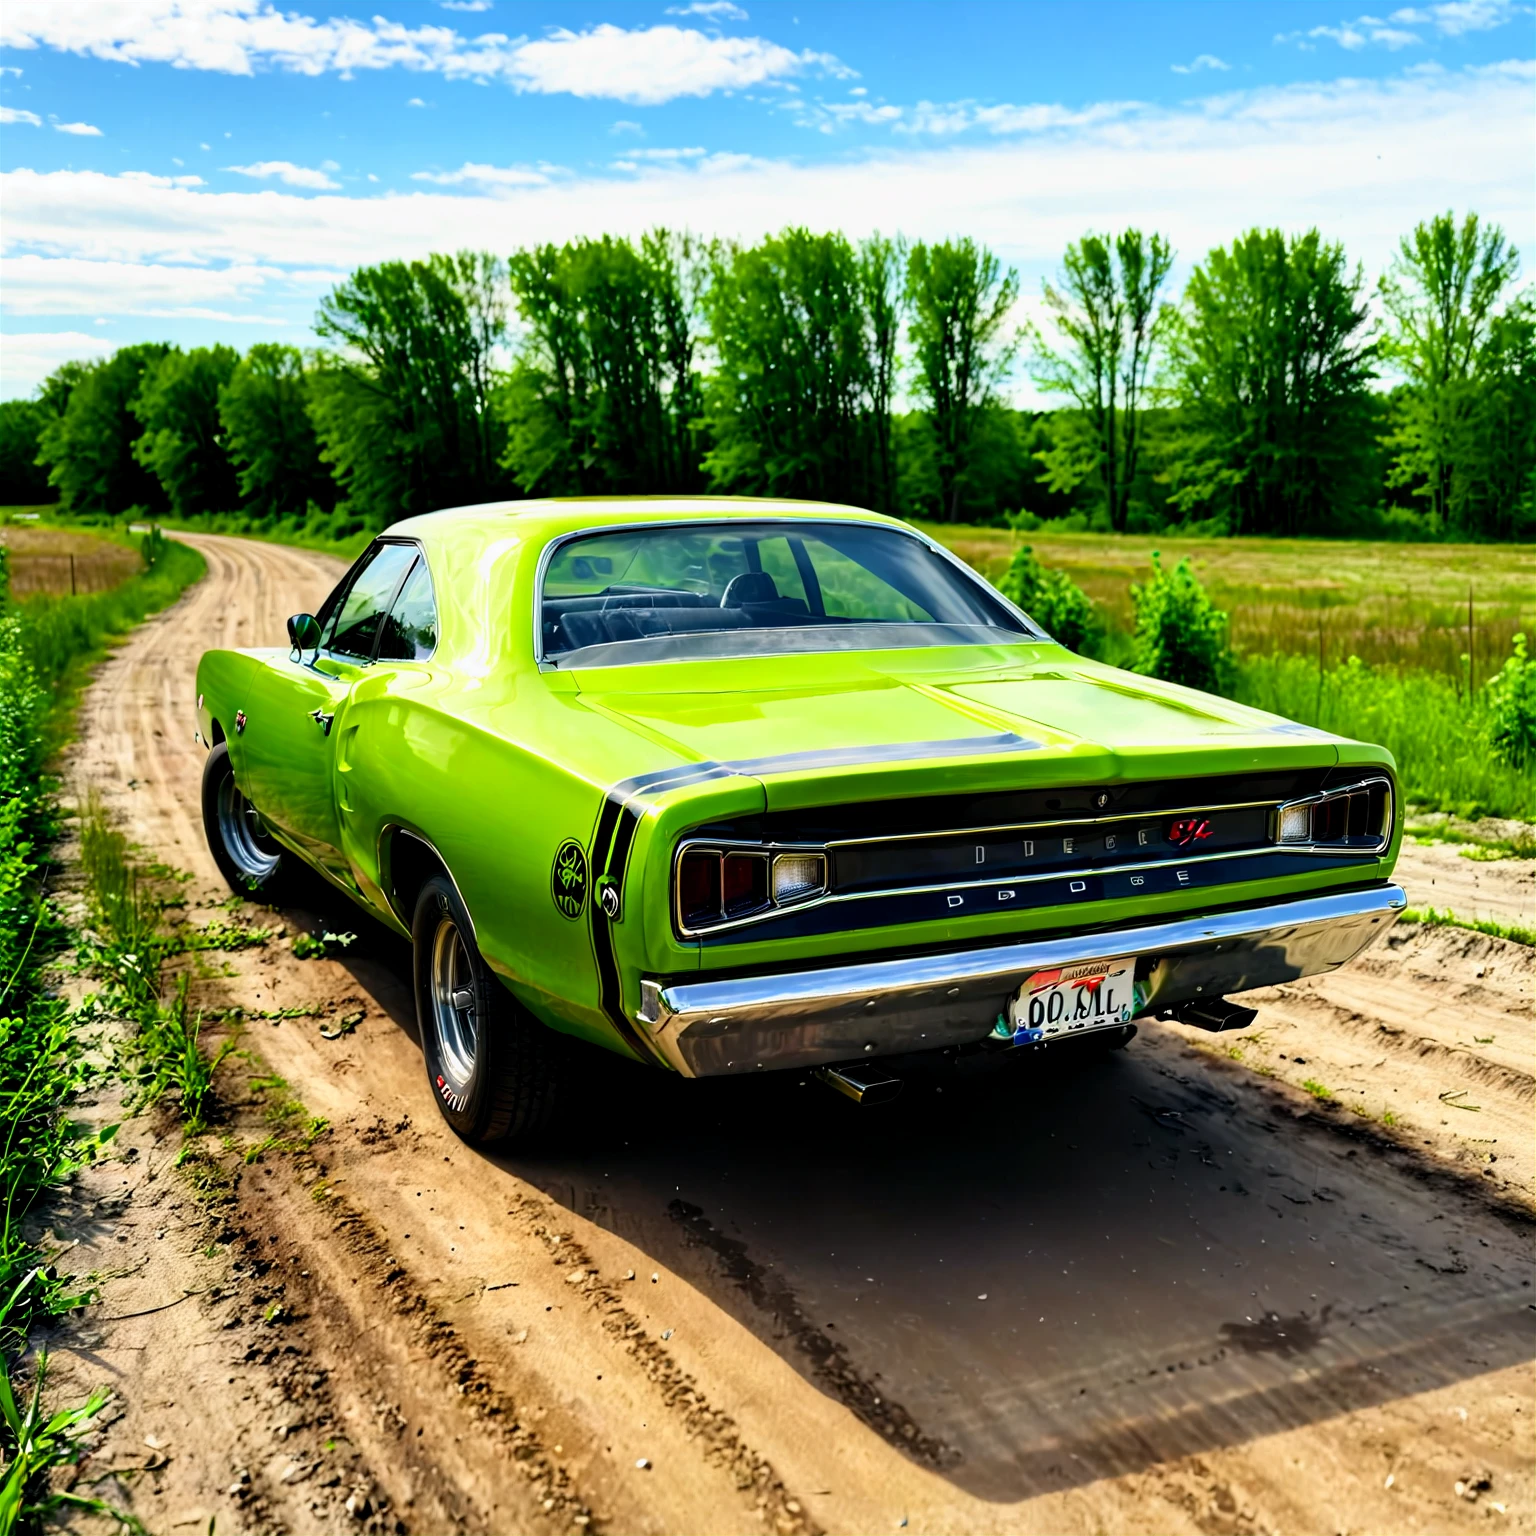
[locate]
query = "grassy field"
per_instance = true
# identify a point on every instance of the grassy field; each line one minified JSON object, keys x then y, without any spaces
{"x":50,"y":561}
{"x":1403,"y":606}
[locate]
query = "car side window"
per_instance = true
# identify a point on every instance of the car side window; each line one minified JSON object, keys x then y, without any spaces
{"x":410,"y":628}
{"x":355,"y":629}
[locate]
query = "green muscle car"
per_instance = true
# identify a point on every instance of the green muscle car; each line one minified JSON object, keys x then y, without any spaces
{"x":735,"y":785}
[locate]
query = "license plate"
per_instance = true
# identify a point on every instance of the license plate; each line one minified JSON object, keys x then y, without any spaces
{"x":1074,"y":998}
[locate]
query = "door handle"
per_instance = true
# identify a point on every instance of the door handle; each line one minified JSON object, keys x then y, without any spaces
{"x":322,"y":719}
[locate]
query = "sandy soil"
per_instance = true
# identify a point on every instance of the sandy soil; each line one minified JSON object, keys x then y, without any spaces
{"x":1276,"y":1282}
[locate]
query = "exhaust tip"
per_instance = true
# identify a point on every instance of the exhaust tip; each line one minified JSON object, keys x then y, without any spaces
{"x":864,"y":1085}
{"x":1215,"y":1014}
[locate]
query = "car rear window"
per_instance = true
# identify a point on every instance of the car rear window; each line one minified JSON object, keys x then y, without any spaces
{"x":737,"y":588}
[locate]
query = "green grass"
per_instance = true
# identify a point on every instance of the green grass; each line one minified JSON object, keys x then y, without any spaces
{"x":1437,"y":735}
{"x":46,"y":645}
{"x":1432,"y":917}
{"x":62,"y":638}
{"x":284,"y":530}
{"x":129,"y":946}
{"x":1478,"y":842}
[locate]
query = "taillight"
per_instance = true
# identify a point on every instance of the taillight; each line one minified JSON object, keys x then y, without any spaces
{"x":1358,"y":816}
{"x":745,"y":883}
{"x":725,"y":885}
{"x":698,"y":888}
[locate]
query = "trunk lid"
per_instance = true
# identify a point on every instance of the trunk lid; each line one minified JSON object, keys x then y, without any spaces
{"x":815,"y":728}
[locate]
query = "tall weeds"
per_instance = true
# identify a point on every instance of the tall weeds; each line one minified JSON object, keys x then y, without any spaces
{"x":128,"y":947}
{"x":1437,"y":731}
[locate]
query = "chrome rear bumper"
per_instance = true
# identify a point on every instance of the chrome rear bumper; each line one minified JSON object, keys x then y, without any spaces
{"x":716,"y":1025}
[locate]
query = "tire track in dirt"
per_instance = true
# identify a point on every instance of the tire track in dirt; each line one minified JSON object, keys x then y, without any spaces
{"x":1076,"y":1302}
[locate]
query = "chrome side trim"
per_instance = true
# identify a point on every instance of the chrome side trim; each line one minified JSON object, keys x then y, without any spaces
{"x":938,"y":887}
{"x":723,"y":1024}
{"x":1052,"y":821}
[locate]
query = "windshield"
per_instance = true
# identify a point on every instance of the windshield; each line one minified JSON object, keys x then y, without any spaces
{"x":737,"y":588}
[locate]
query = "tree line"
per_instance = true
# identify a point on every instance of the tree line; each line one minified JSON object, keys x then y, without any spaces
{"x":1270,"y":396}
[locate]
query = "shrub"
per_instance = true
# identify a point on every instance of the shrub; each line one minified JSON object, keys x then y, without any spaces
{"x":1052,"y":599}
{"x":1511,"y":697}
{"x":1181,"y":635}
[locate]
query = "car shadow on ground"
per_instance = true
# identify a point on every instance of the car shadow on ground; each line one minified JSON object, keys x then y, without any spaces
{"x":1032,"y":1278}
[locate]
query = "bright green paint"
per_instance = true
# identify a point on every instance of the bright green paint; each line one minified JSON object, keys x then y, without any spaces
{"x":497,"y":763}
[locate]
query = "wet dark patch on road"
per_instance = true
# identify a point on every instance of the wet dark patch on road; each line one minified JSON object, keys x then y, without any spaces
{"x":1272,"y":1334}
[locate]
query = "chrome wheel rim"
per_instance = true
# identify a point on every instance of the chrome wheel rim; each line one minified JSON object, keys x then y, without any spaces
{"x":245,"y":835}
{"x":453,"y":1006}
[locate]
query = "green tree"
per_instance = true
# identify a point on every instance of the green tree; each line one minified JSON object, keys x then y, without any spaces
{"x":1108,"y":310}
{"x":403,"y":410}
{"x":960,"y":298}
{"x":23,"y":480}
{"x":1271,"y":363}
{"x":799,"y":404}
{"x":264,"y":411}
{"x":882,"y":284}
{"x":1453,"y":347}
{"x":88,"y":447}
{"x":182,"y":443}
{"x":605,"y":394}
{"x":1493,"y":446}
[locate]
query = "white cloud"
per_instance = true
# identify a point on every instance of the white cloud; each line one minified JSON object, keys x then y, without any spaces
{"x":20,"y":115}
{"x":1456,"y":17}
{"x":470,"y":174}
{"x":467,"y":5}
{"x":654,"y":65}
{"x":27,"y":358}
{"x":624,"y":126}
{"x":39,"y":285}
{"x":1199,"y":62}
{"x":9,"y":69}
{"x":289,"y":174}
{"x":415,"y":101}
{"x":1200,"y":172}
{"x":1451,"y":18}
{"x":81,"y":130}
{"x":148,"y":179}
{"x":713,"y":10}
{"x":692,"y":153}
{"x":645,"y":65}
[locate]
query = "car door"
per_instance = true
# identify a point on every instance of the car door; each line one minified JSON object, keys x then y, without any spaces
{"x":291,"y":735}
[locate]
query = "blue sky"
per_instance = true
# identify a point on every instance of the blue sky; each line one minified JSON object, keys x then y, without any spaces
{"x":205,"y":169}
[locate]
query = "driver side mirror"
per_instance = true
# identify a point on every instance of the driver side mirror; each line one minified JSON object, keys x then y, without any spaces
{"x":304,"y":633}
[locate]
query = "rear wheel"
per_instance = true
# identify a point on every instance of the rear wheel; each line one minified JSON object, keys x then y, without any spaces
{"x":494,"y":1069}
{"x":248,"y":856}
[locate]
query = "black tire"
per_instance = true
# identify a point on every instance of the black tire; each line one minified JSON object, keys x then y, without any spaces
{"x":250,"y":860}
{"x":494,"y":1069}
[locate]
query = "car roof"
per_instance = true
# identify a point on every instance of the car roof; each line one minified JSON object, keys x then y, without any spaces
{"x":552,"y":516}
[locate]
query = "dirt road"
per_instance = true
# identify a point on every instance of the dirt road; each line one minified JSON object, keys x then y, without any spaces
{"x":1177,"y":1291}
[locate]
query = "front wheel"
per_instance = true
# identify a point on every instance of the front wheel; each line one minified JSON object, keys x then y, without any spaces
{"x":494,"y":1069}
{"x":250,"y":860}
